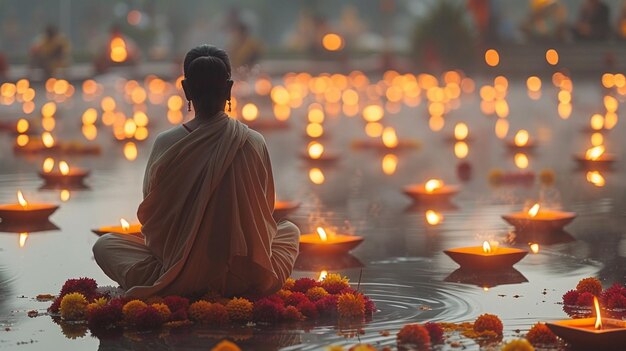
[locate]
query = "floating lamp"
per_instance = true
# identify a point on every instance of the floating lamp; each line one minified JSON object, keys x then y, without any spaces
{"x":123,"y":228}
{"x":595,"y":157}
{"x":323,"y":242}
{"x":433,"y":190}
{"x":24,"y":212}
{"x":539,"y":219}
{"x":521,"y":140}
{"x":64,"y":176}
{"x":485,"y":257}
{"x":317,"y":153}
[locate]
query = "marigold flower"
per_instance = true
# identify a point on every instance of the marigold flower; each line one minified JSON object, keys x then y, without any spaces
{"x":97,"y":303}
{"x":614,"y":297}
{"x":435,"y":331}
{"x":208,"y":313}
{"x":267,"y":310}
{"x":239,"y":310}
{"x":105,"y":316}
{"x":414,"y":335}
{"x":73,"y":307}
{"x":518,"y":345}
{"x":283,"y":293}
{"x":226,"y":345}
{"x":570,"y":298}
{"x":132,"y":308}
{"x":289,"y":283}
{"x":351,"y":306}
{"x":176,"y":303}
{"x":316,"y":293}
{"x":540,"y":334}
{"x":327,"y":305}
{"x":163,"y":310}
{"x":334,"y":283}
{"x":308,"y":309}
{"x":296,"y":298}
{"x":488,"y":322}
{"x":303,"y":284}
{"x":292,"y":314}
{"x":148,"y":318}
{"x":590,"y":285}
{"x":585,"y":299}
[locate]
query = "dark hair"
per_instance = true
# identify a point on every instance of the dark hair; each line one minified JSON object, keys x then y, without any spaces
{"x":207,"y":72}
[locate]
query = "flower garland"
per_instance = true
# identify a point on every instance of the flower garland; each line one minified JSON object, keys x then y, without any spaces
{"x":298,"y":300}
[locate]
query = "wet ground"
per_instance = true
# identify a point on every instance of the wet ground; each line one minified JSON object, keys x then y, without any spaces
{"x":401,"y":261}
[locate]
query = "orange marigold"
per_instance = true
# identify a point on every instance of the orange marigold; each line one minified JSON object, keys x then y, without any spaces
{"x":540,"y":334}
{"x":334,"y":283}
{"x":208,"y":313}
{"x":97,"y":303}
{"x":163,"y":310}
{"x":289,"y":283}
{"x":283,"y":293}
{"x":518,"y":345}
{"x":590,"y":285}
{"x":132,"y":308}
{"x":316,"y":293}
{"x":414,"y":335}
{"x":488,"y":322}
{"x":226,"y":345}
{"x":239,"y":310}
{"x":73,"y":307}
{"x":351,"y":306}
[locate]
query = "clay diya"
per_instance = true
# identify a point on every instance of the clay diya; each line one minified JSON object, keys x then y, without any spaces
{"x":485,"y":257}
{"x":25,"y":212}
{"x":63,"y":176}
{"x":539,"y":219}
{"x":433,"y":190}
{"x":123,"y":228}
{"x":595,"y":333}
{"x":327,"y":243}
{"x":596,"y":158}
{"x":284,"y":208}
{"x":316,"y":153}
{"x":521,"y":140}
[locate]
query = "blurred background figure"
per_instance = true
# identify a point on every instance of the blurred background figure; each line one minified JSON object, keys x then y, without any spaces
{"x":593,"y":21}
{"x":546,"y":21}
{"x":245,"y":51}
{"x":118,"y":50}
{"x":50,"y":51}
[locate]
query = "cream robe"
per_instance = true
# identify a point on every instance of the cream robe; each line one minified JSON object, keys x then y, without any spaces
{"x":207,"y":219}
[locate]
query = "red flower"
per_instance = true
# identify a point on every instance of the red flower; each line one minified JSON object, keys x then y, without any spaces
{"x":488,"y":322}
{"x":85,"y":286}
{"x":266,"y":310}
{"x":292,"y":314}
{"x":435,"y":331}
{"x":104,"y":317}
{"x":590,"y":285}
{"x":614,"y":297}
{"x":176,"y":303}
{"x":540,"y":334}
{"x":585,"y":299}
{"x":308,"y":309}
{"x":179,"y":315}
{"x":370,"y":306}
{"x":327,"y":305}
{"x":148,"y":318}
{"x":295,"y":299}
{"x":414,"y":335}
{"x":570,"y":298}
{"x":304,"y":284}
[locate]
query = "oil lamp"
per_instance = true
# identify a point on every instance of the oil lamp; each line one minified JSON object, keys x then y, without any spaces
{"x":485,"y":257}
{"x":539,"y":219}
{"x":323,"y":242}
{"x":123,"y":228}
{"x":433,"y":190}
{"x":318,"y":154}
{"x":25,"y":212}
{"x":521,"y":140}
{"x":596,"y":158}
{"x":63,"y":176}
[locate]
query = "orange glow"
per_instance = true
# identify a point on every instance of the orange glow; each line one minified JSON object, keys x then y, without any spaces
{"x":461,"y":149}
{"x":595,"y":152}
{"x":390,"y":139}
{"x":90,"y":87}
{"x":140,"y":118}
{"x":534,"y":210}
{"x":521,"y":138}
{"x":64,"y":195}
{"x":130,"y":127}
{"x":316,"y":176}
{"x":436,"y":123}
{"x":597,"y":121}
{"x":28,"y":107}
{"x":433,"y":184}
{"x":314,"y":130}
{"x":48,"y":123}
{"x":125,"y":224}
{"x":48,"y":165}
{"x":610,"y":120}
{"x":610,"y":103}
{"x":249,"y":112}
{"x":521,"y":160}
{"x":502,"y":108}
{"x":552,"y":57}
{"x":565,"y":110}
{"x":315,"y":150}
{"x":533,"y":83}
{"x":492,"y":58}
{"x":595,"y":178}
{"x":596,"y":306}
{"x":48,"y":109}
{"x":332,"y":42}
{"x":280,"y":95}
{"x":597,"y":139}
{"x":322,"y":275}
{"x":90,"y":131}
{"x":22,"y":240}
{"x":461,"y":131}
{"x":90,"y":116}
{"x":141,"y":133}
{"x":433,"y":218}
{"x":130,"y":151}
{"x":175,"y":102}
{"x":564,"y":97}
{"x":282,"y":112}
{"x":374,"y":129}
{"x":263,"y":86}
{"x":21,"y":200}
{"x":389,"y":164}
{"x":486,"y":247}
{"x":174,"y":116}
{"x":322,"y":234}
{"x":22,"y":126}
{"x":316,"y":115}
{"x":47,"y":139}
{"x":534,"y":247}
{"x":502,"y":128}
{"x":64,"y":168}
{"x":22,"y":140}
{"x":107,"y":104}
{"x":373,"y":113}
{"x":118,"y":50}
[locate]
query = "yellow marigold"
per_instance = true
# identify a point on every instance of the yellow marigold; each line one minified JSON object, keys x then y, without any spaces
{"x":316,"y":293}
{"x":351,"y":306}
{"x":131,"y":308}
{"x":289,"y":283}
{"x":590,"y":285}
{"x":334,"y":283}
{"x":198,"y":310}
{"x":239,"y":310}
{"x":518,"y":345}
{"x":73,"y":307}
{"x":283,"y":294}
{"x":97,"y":303}
{"x":73,"y":330}
{"x":163,"y":310}
{"x":226,"y":345}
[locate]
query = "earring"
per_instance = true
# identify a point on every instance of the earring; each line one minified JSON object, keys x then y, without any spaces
{"x":229,"y":109}
{"x":189,"y":105}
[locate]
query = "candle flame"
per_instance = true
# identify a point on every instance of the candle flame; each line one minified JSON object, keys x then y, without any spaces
{"x":21,"y":200}
{"x":125,"y":224}
{"x":595,"y":152}
{"x":595,"y":178}
{"x":317,"y":176}
{"x":534,"y":247}
{"x":390,"y":139}
{"x":521,"y":138}
{"x":486,"y":247}
{"x":118,"y":52}
{"x":432,"y":185}
{"x":47,"y":139}
{"x":461,"y":131}
{"x":534,"y":210}
{"x":433,"y":218}
{"x":461,"y":149}
{"x":322,"y":234}
{"x":64,"y":195}
{"x":596,"y":305}
{"x":390,"y":163}
{"x":64,"y":168}
{"x":521,"y":160}
{"x":322,"y":276}
{"x":23,"y":237}
{"x":315,"y":150}
{"x":48,"y":165}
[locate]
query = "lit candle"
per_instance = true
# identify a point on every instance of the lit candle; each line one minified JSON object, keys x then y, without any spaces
{"x":521,"y":140}
{"x":24,"y":212}
{"x":595,"y":157}
{"x":123,"y":228}
{"x":488,"y":256}
{"x":539,"y":219}
{"x":433,"y":190}
{"x":64,"y":176}
{"x":323,"y":242}
{"x":317,"y":153}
